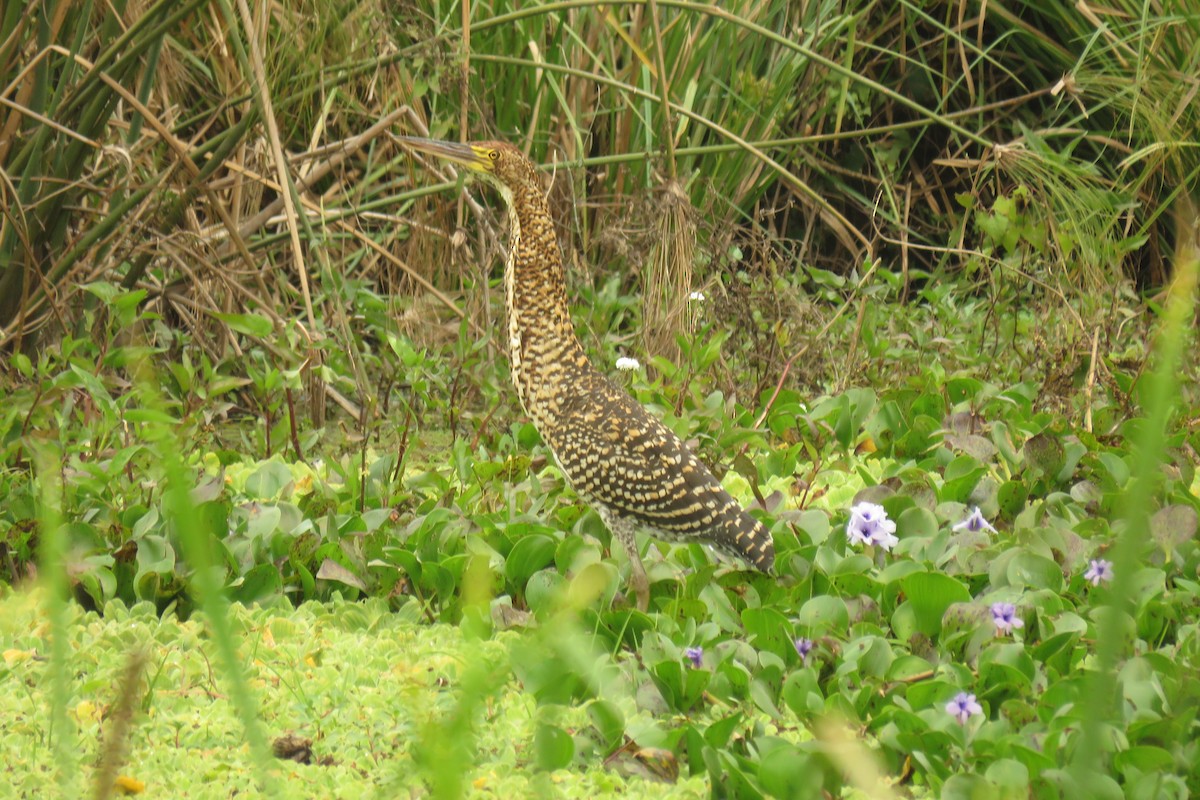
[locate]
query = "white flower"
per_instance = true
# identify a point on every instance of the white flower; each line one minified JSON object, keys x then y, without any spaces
{"x":626,"y":364}
{"x":1004,"y":615}
{"x":963,"y":707}
{"x":974,"y":522}
{"x":869,"y":524}
{"x":696,"y":296}
{"x":1100,"y":570}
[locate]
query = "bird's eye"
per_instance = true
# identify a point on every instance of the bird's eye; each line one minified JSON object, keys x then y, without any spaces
{"x":494,"y":155}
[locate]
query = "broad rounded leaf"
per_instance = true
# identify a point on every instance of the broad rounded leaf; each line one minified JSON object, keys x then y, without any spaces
{"x":785,"y":771}
{"x":930,"y":594}
{"x":531,"y":553}
{"x":553,"y":747}
{"x":1011,"y":498}
{"x":824,"y":613}
{"x":1034,"y":571}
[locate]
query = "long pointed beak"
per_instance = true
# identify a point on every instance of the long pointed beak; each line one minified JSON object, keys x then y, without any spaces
{"x":464,"y":154}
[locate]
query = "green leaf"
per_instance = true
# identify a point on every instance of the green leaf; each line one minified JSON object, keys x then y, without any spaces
{"x":333,"y":571}
{"x":260,"y":583}
{"x":531,"y":553}
{"x":269,"y":481}
{"x":608,"y":720}
{"x":802,"y":693}
{"x":824,"y":613}
{"x":553,"y":747}
{"x":785,"y":771}
{"x":249,"y":324}
{"x":770,"y":630}
{"x":1011,"y":498}
{"x":961,"y":476}
{"x":930,"y":594}
{"x":1027,"y":569}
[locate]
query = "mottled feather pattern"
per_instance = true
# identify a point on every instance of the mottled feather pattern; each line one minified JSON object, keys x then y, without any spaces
{"x":626,"y":464}
{"x":611,"y":450}
{"x":616,"y":454}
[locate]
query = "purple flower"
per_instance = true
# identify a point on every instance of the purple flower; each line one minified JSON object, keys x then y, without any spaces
{"x":1099,"y":570}
{"x":1005,"y":617}
{"x":695,"y":655}
{"x":869,"y":524}
{"x":963,"y":707}
{"x":974,"y":522}
{"x":804,"y":646}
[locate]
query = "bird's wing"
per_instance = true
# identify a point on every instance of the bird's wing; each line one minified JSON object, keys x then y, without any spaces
{"x":615,"y":453}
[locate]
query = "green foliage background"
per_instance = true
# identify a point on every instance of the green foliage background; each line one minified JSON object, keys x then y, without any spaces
{"x":948,"y":257}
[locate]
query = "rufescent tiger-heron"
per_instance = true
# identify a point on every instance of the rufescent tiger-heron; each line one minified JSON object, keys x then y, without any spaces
{"x":630,"y":468}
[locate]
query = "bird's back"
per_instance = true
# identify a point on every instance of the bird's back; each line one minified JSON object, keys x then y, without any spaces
{"x":618,"y":456}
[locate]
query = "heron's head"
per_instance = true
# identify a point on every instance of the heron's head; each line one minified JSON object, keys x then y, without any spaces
{"x":498,"y":163}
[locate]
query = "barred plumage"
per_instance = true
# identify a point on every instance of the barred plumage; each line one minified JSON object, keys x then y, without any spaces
{"x":626,"y":464}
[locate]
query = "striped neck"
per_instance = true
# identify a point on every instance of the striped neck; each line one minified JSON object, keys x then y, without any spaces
{"x":541,"y":338}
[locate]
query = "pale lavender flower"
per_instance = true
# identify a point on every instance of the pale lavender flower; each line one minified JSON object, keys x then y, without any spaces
{"x":1005,"y":617}
{"x":695,"y":655}
{"x":963,"y":707}
{"x":1099,"y":570}
{"x":869,"y":524}
{"x":974,"y":522}
{"x":626,"y":364}
{"x":804,"y":646}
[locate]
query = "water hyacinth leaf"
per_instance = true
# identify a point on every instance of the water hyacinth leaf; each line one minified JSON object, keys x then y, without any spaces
{"x":801,"y":693}
{"x":854,"y":407}
{"x":763,"y":699}
{"x":930,"y":594}
{"x":154,"y":556}
{"x":815,"y":524}
{"x":966,"y":787}
{"x":593,"y":582}
{"x":1173,"y":525}
{"x":786,"y":771}
{"x":543,"y":591}
{"x":304,"y":576}
{"x":270,"y":481}
{"x":574,"y":553}
{"x":553,"y":747}
{"x":693,"y":746}
{"x":259,"y":584}
{"x":1055,"y":651}
{"x":897,"y":570}
{"x":331,"y":570}
{"x":262,"y":519}
{"x":608,"y":721}
{"x":931,"y":404}
{"x":1144,"y":758}
{"x":438,"y":579}
{"x":720,"y":608}
{"x":917,"y":523}
{"x":1006,"y":665}
{"x":1045,"y":453}
{"x":1011,"y":498}
{"x":960,"y":478}
{"x":405,"y":560}
{"x":531,"y":553}
{"x":1029,"y":569}
{"x":908,"y":667}
{"x":720,"y":732}
{"x":904,"y":621}
{"x":768,"y":630}
{"x":824,"y":613}
{"x":922,"y":435}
